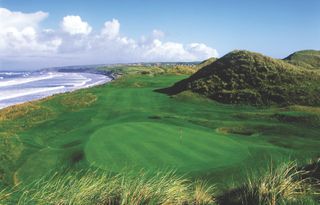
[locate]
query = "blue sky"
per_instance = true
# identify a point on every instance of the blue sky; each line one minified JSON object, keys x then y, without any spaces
{"x":275,"y":28}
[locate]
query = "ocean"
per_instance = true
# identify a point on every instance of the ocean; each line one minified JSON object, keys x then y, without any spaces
{"x":24,"y":86}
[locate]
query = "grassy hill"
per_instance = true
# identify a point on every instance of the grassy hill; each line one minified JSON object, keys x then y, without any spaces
{"x":243,"y":77}
{"x":307,"y":58}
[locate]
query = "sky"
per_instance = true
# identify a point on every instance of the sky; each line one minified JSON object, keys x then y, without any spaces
{"x":37,"y":34}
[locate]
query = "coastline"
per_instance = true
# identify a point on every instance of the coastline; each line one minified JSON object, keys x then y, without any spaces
{"x":109,"y":78}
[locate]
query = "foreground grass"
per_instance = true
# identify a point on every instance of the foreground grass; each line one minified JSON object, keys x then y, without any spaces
{"x":286,"y":184}
{"x":94,"y":187}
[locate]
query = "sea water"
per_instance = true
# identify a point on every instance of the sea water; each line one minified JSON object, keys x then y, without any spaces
{"x":19,"y":87}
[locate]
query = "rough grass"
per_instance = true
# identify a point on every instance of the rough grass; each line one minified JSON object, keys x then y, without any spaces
{"x":5,"y":196}
{"x":284,"y":184}
{"x":18,"y":111}
{"x":77,"y":101}
{"x":125,"y":188}
{"x":20,"y":117}
{"x":309,"y":59}
{"x":243,"y":77}
{"x":34,"y":110}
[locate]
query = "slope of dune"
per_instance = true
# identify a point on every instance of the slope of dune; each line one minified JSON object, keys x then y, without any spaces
{"x":243,"y":77}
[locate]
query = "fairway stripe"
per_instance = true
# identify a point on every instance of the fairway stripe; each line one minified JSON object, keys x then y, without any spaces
{"x":157,"y":145}
{"x":205,"y":144}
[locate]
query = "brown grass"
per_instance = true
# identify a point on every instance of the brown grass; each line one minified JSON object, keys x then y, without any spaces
{"x":18,"y":111}
{"x":78,"y":100}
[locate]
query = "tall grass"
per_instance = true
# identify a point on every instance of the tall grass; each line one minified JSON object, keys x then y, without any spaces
{"x":203,"y":192}
{"x":96,"y":188}
{"x":4,"y":195}
{"x":285,"y":184}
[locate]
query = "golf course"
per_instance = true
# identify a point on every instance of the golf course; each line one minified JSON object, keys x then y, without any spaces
{"x":126,"y":124}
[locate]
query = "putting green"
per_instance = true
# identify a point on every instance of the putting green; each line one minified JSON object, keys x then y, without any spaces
{"x":157,"y":146}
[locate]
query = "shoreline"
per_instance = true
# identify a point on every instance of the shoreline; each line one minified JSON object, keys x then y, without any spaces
{"x":109,"y":78}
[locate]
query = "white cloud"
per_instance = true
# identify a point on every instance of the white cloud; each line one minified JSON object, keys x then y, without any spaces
{"x":24,"y":42}
{"x":111,"y":29}
{"x":202,"y":51}
{"x":20,"y":20}
{"x":20,"y":35}
{"x":74,"y":25}
{"x":170,"y":51}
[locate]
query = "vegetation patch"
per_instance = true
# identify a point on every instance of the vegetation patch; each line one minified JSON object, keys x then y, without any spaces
{"x":246,"y":131}
{"x":78,"y":100}
{"x":18,"y":111}
{"x":17,"y":118}
{"x":32,"y":111}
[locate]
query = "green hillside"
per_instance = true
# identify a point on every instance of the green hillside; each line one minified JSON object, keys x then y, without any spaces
{"x":307,"y":58}
{"x":250,"y":78}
